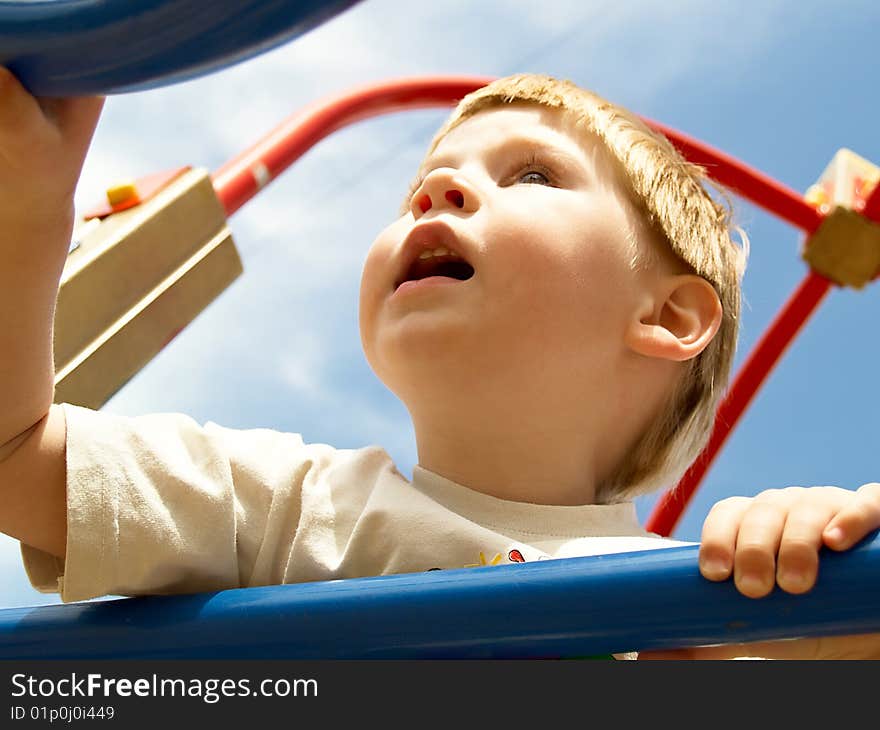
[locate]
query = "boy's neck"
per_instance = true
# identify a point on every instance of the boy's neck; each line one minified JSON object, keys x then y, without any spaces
{"x":517,"y":458}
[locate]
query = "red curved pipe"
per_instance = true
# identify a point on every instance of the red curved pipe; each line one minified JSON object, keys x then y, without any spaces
{"x":770,"y":348}
{"x":244,"y":176}
{"x":747,"y":182}
{"x":240,"y":179}
{"x":806,"y":298}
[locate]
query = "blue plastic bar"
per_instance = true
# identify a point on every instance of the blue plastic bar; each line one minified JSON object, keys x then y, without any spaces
{"x":555,"y":608}
{"x":80,"y":47}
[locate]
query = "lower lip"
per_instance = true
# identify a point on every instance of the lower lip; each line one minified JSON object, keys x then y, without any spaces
{"x":430,"y":282}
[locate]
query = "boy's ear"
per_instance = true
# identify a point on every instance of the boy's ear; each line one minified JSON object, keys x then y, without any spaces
{"x":680,"y":320}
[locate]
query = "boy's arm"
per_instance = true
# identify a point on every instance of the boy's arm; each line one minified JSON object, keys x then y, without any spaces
{"x":42,"y":147}
{"x":33,"y":497}
{"x":774,"y":539}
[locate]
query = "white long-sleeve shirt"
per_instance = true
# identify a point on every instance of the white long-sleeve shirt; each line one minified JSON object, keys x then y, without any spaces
{"x":160,"y":504}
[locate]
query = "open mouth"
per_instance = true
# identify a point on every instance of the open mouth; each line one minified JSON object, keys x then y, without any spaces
{"x":447,"y":265}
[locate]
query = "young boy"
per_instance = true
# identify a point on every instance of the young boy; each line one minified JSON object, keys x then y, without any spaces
{"x":556,"y":306}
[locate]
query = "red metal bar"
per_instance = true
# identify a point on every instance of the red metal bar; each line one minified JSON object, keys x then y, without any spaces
{"x":766,"y":353}
{"x":241,"y":178}
{"x":747,"y":182}
{"x":237,"y":181}
{"x":754,"y":371}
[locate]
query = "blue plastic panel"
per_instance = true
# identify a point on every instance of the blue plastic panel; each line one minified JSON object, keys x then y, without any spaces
{"x":555,"y":608}
{"x":80,"y":47}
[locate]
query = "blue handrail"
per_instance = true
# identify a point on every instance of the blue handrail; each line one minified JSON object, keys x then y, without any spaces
{"x":79,"y":47}
{"x":556,"y":608}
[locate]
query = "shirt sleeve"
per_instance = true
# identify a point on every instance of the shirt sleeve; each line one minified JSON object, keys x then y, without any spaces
{"x":159,"y":504}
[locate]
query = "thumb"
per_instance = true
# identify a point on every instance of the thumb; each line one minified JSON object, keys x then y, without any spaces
{"x":76,"y":118}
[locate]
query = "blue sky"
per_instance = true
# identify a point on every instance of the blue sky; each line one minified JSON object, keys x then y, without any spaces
{"x":781,"y":85}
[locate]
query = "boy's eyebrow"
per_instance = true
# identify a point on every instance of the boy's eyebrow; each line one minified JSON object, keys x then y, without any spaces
{"x":526,"y":141}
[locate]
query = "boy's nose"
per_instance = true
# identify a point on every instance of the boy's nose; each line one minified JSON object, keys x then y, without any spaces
{"x":440,"y":189}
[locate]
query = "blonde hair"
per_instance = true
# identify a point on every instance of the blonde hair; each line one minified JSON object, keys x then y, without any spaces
{"x":671,"y":194}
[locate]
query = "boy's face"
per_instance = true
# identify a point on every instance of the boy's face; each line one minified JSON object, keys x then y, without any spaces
{"x":541,"y":287}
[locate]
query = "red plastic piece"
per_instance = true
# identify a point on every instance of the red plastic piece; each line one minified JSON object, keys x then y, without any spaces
{"x":146,"y":187}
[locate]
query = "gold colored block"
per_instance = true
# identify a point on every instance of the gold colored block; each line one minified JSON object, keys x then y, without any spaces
{"x":134,"y":281}
{"x":845,"y":248}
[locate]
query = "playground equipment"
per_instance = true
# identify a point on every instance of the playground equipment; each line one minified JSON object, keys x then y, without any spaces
{"x":81,"y":47}
{"x":572,"y":607}
{"x":139,"y":271}
{"x":577,"y":606}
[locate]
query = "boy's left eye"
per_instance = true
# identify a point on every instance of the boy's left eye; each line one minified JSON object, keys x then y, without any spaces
{"x":534,"y":177}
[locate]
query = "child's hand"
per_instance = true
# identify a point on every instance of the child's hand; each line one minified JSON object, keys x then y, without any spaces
{"x":853,"y":646}
{"x":774,"y":539}
{"x":43,"y":143}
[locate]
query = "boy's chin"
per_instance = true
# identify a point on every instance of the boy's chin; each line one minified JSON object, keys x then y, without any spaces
{"x":426,"y":345}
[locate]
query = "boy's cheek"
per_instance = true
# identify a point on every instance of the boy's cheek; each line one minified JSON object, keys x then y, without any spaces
{"x":376,"y":278}
{"x":380,"y":255}
{"x":376,"y":284}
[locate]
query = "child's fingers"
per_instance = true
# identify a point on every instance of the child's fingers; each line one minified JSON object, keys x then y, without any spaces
{"x":850,"y":646}
{"x":856,"y":519}
{"x":718,"y":539}
{"x":76,"y":118}
{"x":57,"y":131}
{"x":757,"y":542}
{"x":72,"y":114}
{"x":797,"y":563}
{"x":19,"y":111}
